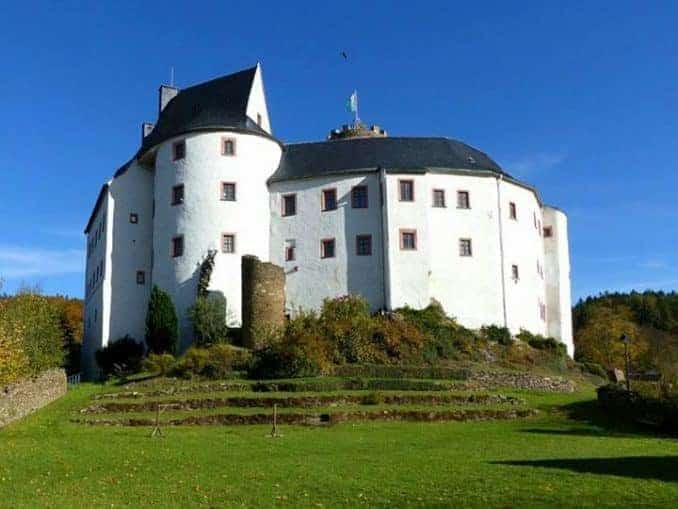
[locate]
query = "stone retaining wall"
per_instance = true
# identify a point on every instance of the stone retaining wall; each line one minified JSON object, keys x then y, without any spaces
{"x":22,"y":398}
{"x":519,"y":380}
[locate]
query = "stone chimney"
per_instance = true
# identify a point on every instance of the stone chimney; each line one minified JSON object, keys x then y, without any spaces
{"x":146,"y":129}
{"x":167,"y":93}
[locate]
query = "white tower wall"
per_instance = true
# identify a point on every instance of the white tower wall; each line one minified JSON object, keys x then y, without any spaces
{"x":203,"y":217}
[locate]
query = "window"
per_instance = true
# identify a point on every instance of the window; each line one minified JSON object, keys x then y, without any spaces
{"x":134,"y":218}
{"x":329,"y":199}
{"x":534,"y":218}
{"x":228,"y":243}
{"x":542,"y":311}
{"x":408,"y":240}
{"x":359,"y":197}
{"x":178,"y":194}
{"x":439,"y":198}
{"x":363,"y":245}
{"x":178,"y":150}
{"x":463,"y":200}
{"x":228,"y":191}
{"x":290,"y":250}
{"x":177,"y":246}
{"x":465,"y":248}
{"x":548,"y":231}
{"x":141,"y":277}
{"x":327,"y":248}
{"x":227,"y":147}
{"x":515,"y":275}
{"x":513,"y":211}
{"x":406,"y":190}
{"x":289,"y":204}
{"x":259,"y":119}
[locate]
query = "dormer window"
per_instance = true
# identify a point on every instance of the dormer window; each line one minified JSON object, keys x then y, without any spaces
{"x":259,"y":119}
{"x":178,"y":150}
{"x":227,"y":147}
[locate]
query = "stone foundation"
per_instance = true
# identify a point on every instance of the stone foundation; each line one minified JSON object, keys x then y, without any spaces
{"x":25,"y":397}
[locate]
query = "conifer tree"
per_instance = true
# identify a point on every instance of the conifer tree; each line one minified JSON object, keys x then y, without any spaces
{"x":162,"y":325}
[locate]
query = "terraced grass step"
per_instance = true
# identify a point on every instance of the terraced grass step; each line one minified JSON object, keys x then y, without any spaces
{"x":306,"y":401}
{"x":320,"y":418}
{"x":170,"y":387}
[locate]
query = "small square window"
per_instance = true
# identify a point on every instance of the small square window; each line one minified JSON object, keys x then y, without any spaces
{"x":141,"y":277}
{"x":406,"y":190}
{"x":134,"y":218}
{"x":228,"y":243}
{"x":178,"y":150}
{"x":227,"y":147}
{"x":259,"y":119}
{"x":408,"y":240}
{"x":439,"y":198}
{"x":327,"y":248}
{"x":515,"y":274}
{"x":177,"y":246}
{"x":465,"y":247}
{"x":227,"y":191}
{"x":364,"y":245}
{"x":463,"y":200}
{"x":290,"y":251}
{"x":329,"y":199}
{"x":548,"y":231}
{"x":178,"y":194}
{"x":359,"y":197}
{"x":513,"y":211}
{"x":289,"y":205}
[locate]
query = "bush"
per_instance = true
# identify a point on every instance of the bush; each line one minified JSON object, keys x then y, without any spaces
{"x":397,"y":339}
{"x":631,"y":406}
{"x":122,"y":357}
{"x":159,"y":363}
{"x":401,"y":372}
{"x":208,"y":317}
{"x":13,"y":361}
{"x":540,"y":342}
{"x":497,"y":334}
{"x":594,"y":369}
{"x":216,"y":362}
{"x":348,"y":326}
{"x":162,"y":326}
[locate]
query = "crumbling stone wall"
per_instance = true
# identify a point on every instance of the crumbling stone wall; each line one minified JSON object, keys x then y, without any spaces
{"x":22,"y":398}
{"x":263,"y":297}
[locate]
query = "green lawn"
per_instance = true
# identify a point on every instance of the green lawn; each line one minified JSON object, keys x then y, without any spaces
{"x":550,"y":460}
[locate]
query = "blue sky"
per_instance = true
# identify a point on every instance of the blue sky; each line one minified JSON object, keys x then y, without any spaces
{"x":580,"y":100}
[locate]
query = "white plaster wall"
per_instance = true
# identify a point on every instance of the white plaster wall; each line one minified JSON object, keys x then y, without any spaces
{"x":203,"y":217}
{"x":97,"y":297}
{"x":469,"y":288}
{"x":131,"y":192}
{"x":523,"y":246}
{"x":558,"y":292}
{"x":310,"y":278}
{"x":409,"y":271}
{"x":257,"y":101}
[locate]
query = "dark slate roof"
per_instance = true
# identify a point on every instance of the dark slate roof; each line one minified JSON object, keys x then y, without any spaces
{"x":219,"y":103}
{"x":365,"y":154}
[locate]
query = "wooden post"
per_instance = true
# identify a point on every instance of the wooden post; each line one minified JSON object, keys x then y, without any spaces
{"x":156,"y":429}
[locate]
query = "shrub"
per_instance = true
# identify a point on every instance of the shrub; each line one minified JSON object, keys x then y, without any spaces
{"x":13,"y":361}
{"x":594,"y":369}
{"x":631,"y":406}
{"x":216,"y":362}
{"x":122,"y":357}
{"x":159,"y":363}
{"x":33,"y":321}
{"x":542,"y":343}
{"x":348,"y":326}
{"x":497,"y":334}
{"x":162,"y":326}
{"x":208,"y":317}
{"x":397,"y":338}
{"x":373,"y":398}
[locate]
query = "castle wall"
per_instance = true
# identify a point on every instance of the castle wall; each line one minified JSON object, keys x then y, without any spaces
{"x":310,"y":278}
{"x":97,"y":284}
{"x":558,"y":292}
{"x":130,"y":193}
{"x":203,"y":217}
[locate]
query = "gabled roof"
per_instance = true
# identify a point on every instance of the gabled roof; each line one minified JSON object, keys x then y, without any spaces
{"x":219,"y":103}
{"x":352,"y":155}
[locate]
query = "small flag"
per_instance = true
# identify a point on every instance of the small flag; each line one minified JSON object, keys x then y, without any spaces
{"x":352,"y":103}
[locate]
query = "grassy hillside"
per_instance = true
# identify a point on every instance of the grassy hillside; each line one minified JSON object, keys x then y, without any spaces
{"x":566,"y":456}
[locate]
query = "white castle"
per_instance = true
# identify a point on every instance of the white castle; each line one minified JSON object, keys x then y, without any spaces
{"x":400,"y":221}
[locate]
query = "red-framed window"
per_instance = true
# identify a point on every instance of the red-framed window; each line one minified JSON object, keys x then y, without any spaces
{"x":289,"y":205}
{"x":328,"y":199}
{"x":406,"y":190}
{"x":439,"y":198}
{"x":228,"y":243}
{"x":408,"y":240}
{"x":227,"y":146}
